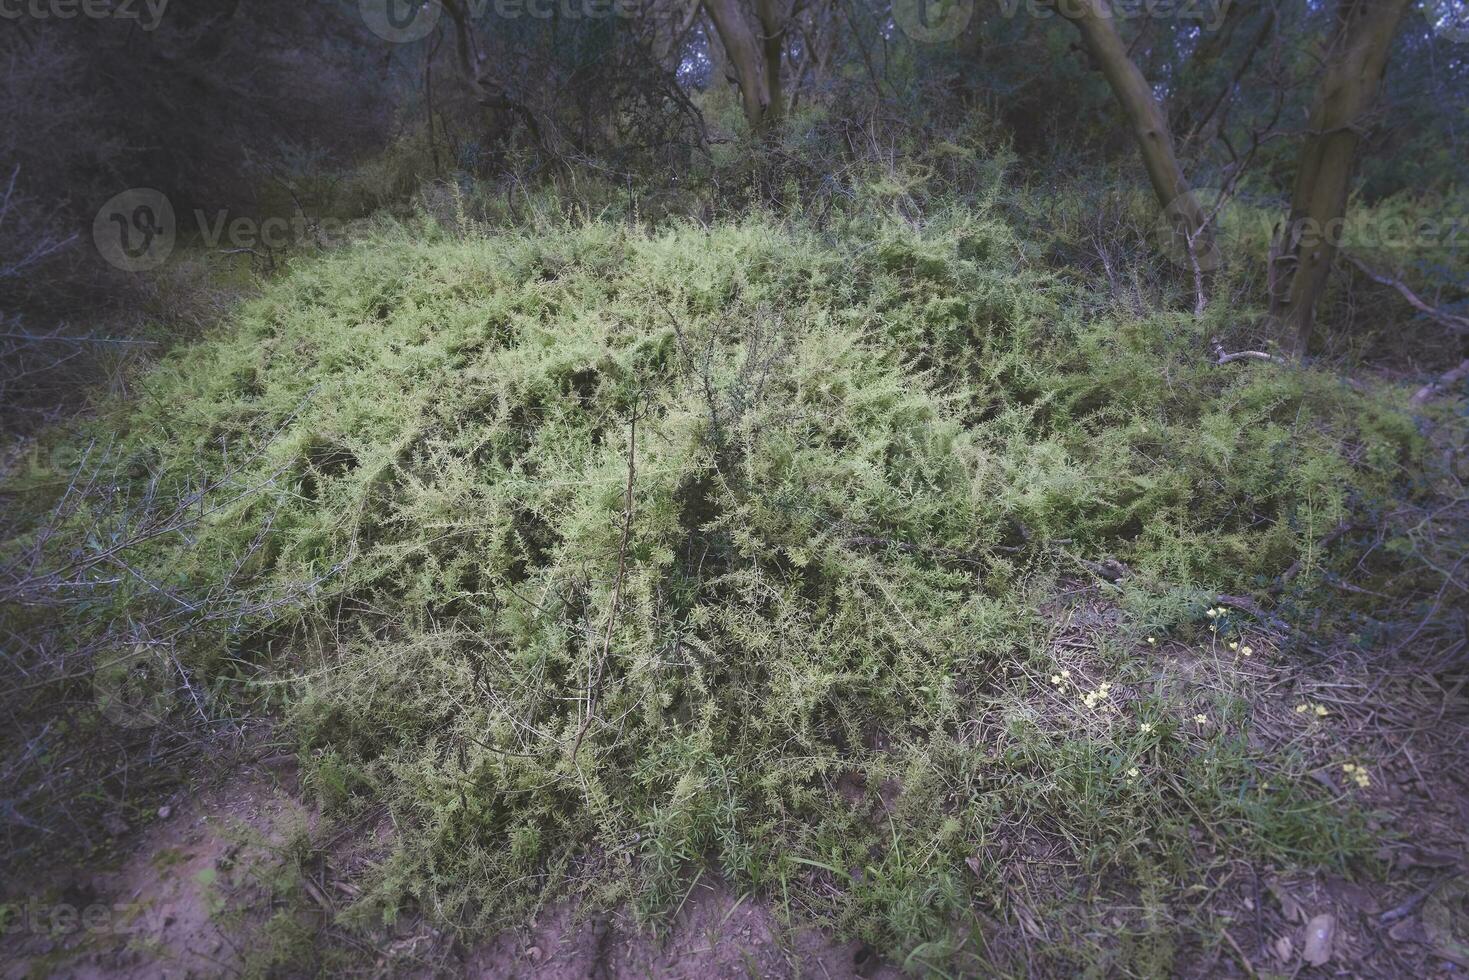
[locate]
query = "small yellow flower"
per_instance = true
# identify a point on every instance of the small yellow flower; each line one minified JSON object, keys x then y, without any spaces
{"x":1200,"y":720}
{"x":1302,"y":708}
{"x":1212,"y":613}
{"x":1321,"y":712}
{"x":1065,"y":673}
{"x":1234,"y":644}
{"x":1056,"y":679}
{"x":1152,"y":641}
{"x":1245,"y":651}
{"x":1133,"y":772}
{"x":1145,"y":727}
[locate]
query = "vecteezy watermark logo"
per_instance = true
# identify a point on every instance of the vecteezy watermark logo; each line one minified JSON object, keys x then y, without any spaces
{"x":135,"y":231}
{"x":400,"y":21}
{"x":1208,"y":13}
{"x":1442,"y":235}
{"x":135,"y":688}
{"x":932,"y":21}
{"x":1448,"y":18}
{"x":405,"y":21}
{"x":64,"y":919}
{"x":1180,"y":236}
{"x":1237,"y":224}
{"x":147,"y":13}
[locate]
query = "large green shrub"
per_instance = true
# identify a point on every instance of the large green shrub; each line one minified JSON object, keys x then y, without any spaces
{"x":596,"y":554}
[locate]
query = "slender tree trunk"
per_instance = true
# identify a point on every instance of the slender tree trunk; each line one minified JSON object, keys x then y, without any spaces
{"x":489,"y":92}
{"x":1144,"y":114}
{"x":719,"y":72}
{"x":772,"y":41}
{"x":671,"y":26}
{"x":1202,"y":65}
{"x":969,"y":46}
{"x":1355,"y":63}
{"x":743,"y":52}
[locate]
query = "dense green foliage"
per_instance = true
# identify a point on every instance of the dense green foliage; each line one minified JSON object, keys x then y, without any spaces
{"x":862,"y":466}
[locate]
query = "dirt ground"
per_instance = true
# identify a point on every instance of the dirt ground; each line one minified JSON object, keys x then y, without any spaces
{"x":1408,"y":917}
{"x":155,"y":914}
{"x":716,"y":934}
{"x":161,"y":913}
{"x":185,"y":898}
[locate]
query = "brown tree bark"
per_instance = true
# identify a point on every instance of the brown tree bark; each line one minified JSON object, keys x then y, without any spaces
{"x":1356,"y":60}
{"x":1145,"y":116}
{"x":772,"y":42}
{"x":719,"y":69}
{"x":740,"y":46}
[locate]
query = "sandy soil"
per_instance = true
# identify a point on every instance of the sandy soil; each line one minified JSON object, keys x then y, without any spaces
{"x":182,"y":904}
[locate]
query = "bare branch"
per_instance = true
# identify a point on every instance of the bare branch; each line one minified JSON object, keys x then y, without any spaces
{"x":1221,"y":357}
{"x":1442,"y":383}
{"x":1458,"y":324}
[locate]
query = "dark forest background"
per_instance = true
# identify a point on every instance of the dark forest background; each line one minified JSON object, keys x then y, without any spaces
{"x":302,"y":111}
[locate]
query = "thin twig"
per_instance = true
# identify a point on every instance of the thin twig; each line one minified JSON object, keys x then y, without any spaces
{"x":594,"y":671}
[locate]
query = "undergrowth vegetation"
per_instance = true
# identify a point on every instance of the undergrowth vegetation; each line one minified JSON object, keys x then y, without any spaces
{"x":601,"y":558}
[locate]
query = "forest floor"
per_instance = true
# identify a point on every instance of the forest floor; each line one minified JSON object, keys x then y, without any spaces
{"x":195,"y":893}
{"x":186,"y":898}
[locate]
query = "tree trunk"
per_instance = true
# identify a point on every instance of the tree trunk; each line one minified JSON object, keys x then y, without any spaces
{"x":1355,"y":63}
{"x":719,"y":70}
{"x":1147,"y":119}
{"x":490,"y":92}
{"x":772,"y":40}
{"x":1201,"y":69}
{"x":743,"y":52}
{"x":670,"y":25}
